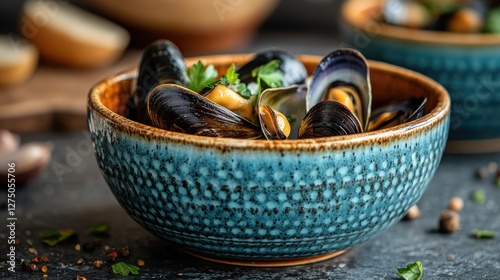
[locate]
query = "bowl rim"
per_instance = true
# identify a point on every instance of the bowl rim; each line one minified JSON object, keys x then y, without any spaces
{"x":431,"y":119}
{"x":361,"y":13}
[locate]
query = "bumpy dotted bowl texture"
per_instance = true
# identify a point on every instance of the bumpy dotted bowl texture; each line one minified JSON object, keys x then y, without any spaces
{"x":467,"y":65}
{"x":268,"y":200}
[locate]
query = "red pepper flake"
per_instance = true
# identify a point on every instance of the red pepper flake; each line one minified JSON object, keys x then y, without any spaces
{"x":111,"y":255}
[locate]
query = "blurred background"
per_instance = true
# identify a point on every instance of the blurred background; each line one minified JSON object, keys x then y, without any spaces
{"x":62,"y":48}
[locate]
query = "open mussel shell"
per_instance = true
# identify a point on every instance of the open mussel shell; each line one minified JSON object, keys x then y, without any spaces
{"x":397,"y":112}
{"x":294,"y":71}
{"x":161,"y":63}
{"x":328,"y":118}
{"x":346,"y":68}
{"x":175,"y":108}
{"x":289,"y":101}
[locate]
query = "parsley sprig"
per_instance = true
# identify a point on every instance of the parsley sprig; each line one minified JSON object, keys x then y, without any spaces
{"x":54,"y":237}
{"x":201,"y":76}
{"x":231,"y":79}
{"x":413,"y":271}
{"x":267,"y":75}
{"x":124,"y":269}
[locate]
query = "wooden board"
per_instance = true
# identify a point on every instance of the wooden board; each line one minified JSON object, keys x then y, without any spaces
{"x":55,"y":98}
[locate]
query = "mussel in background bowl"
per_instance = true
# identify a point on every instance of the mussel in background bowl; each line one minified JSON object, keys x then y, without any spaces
{"x":466,"y":64}
{"x":262,"y":202}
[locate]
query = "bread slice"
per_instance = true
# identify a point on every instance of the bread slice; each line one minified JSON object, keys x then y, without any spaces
{"x":18,"y":60}
{"x":68,"y":35}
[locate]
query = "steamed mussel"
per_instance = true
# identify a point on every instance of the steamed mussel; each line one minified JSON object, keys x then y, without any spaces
{"x":463,"y":16}
{"x":270,"y":97}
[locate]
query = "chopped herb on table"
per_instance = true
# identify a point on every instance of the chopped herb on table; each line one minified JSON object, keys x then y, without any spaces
{"x":411,"y":272}
{"x":54,"y":237}
{"x":125,"y":269}
{"x":478,"y":196}
{"x":99,"y":229}
{"x":484,"y":234}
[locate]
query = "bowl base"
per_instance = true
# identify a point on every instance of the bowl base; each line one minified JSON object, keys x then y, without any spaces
{"x":267,"y":263}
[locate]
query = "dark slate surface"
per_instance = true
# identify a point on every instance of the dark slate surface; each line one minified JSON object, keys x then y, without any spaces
{"x":72,"y":194}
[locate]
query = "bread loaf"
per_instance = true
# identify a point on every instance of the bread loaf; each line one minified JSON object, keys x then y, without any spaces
{"x":18,"y":60}
{"x":68,"y":35}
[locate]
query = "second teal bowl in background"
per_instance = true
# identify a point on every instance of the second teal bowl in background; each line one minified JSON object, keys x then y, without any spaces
{"x":467,"y":65}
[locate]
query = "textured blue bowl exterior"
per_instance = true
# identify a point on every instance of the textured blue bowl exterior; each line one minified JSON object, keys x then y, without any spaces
{"x":243,"y":203}
{"x":471,"y":74}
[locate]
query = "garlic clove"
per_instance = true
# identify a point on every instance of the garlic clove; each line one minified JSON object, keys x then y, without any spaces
{"x":8,"y":141}
{"x":30,"y":160}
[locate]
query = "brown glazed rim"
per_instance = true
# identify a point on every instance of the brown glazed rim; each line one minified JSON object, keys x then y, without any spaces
{"x":383,"y":136}
{"x":364,"y":15}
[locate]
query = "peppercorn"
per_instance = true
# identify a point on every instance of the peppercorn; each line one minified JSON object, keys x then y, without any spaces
{"x":481,"y":173}
{"x":413,"y":213}
{"x":449,"y":221}
{"x":124,"y":251}
{"x":88,"y":246}
{"x":29,"y":266}
{"x":456,"y":204}
{"x":97,"y":263}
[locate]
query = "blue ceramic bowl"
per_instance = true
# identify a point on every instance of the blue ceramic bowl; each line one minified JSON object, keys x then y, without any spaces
{"x":259,"y":202}
{"x":467,"y":65}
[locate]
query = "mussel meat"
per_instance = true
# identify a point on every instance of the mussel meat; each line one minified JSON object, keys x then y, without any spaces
{"x":281,"y":110}
{"x":161,"y":63}
{"x":231,"y":100}
{"x":176,"y":108}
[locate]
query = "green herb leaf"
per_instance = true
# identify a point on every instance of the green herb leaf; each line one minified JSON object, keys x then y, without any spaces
{"x":441,"y":7}
{"x":99,"y":229}
{"x":124,"y":269}
{"x":269,"y":73}
{"x":54,"y":237}
{"x":231,"y":75}
{"x":498,"y":182}
{"x":201,"y":76}
{"x":244,"y":91}
{"x":484,"y":234}
{"x":478,"y":196}
{"x":411,"y":272}
{"x":492,"y":22}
